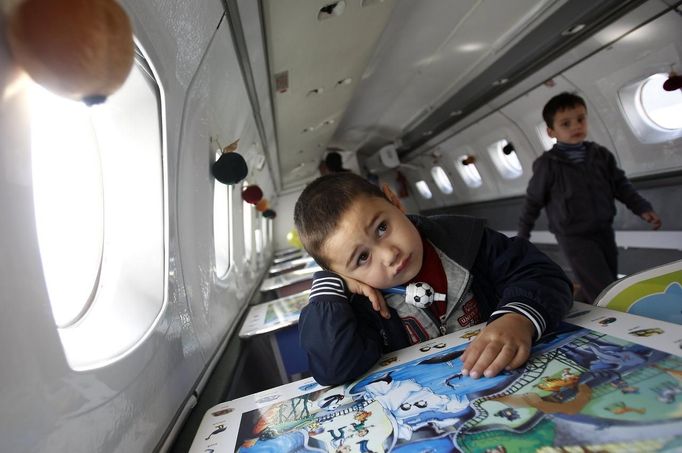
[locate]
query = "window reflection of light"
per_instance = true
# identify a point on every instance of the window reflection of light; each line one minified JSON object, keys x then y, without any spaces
{"x":424,"y":190}
{"x":471,"y":47}
{"x":264,"y":231}
{"x":270,"y":231}
{"x":221,"y":226}
{"x":508,"y":165}
{"x":259,"y":241}
{"x":662,"y":108}
{"x":248,"y":227}
{"x":469,"y":173}
{"x":441,"y":179}
{"x":68,"y":201}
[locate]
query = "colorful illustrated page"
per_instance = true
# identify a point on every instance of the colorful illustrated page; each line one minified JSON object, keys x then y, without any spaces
{"x":655,"y":293}
{"x":581,"y":389}
{"x":273,"y":315}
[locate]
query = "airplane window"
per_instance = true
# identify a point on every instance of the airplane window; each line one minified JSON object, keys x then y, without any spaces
{"x":468,"y":172}
{"x":99,"y":185}
{"x":68,"y":201}
{"x":222,"y":196}
{"x":424,"y":190}
{"x":264,"y":231}
{"x":441,"y":179}
{"x":662,"y":108}
{"x":248,"y":227}
{"x":547,"y":141}
{"x":270,"y":230}
{"x":505,"y":159}
{"x":258,"y":236}
{"x":653,"y":114}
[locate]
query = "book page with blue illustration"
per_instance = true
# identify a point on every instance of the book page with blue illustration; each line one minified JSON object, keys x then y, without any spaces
{"x":604,"y":381}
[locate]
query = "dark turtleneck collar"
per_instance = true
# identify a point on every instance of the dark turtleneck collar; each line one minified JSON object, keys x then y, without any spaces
{"x":574,"y":153}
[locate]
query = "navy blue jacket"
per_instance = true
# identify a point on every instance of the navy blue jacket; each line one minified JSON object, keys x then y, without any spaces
{"x":579,"y":196}
{"x":344,"y":337}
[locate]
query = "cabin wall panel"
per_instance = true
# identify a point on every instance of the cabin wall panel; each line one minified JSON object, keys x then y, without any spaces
{"x":217,"y":108}
{"x":128,"y":405}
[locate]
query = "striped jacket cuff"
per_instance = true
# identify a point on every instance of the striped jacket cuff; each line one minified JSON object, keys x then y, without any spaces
{"x":522,"y":309}
{"x":327,"y":285}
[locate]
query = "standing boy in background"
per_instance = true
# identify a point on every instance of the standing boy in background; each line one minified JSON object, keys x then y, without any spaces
{"x":366,"y":243}
{"x":578,"y":181}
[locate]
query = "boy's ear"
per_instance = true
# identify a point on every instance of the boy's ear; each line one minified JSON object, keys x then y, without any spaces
{"x":393,"y":198}
{"x":551,"y":133}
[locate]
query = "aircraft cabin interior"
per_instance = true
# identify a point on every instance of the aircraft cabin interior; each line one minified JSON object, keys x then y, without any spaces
{"x":128,"y":267}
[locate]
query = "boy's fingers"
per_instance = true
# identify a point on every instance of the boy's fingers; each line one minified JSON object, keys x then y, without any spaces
{"x":489,"y":354}
{"x":479,"y":356}
{"x":470,"y":356}
{"x":378,"y":302}
{"x":504,"y":358}
{"x":520,"y":358}
{"x":383,"y":306}
{"x":656,"y":223}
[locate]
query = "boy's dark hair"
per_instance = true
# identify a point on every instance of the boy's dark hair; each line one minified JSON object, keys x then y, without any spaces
{"x":334,"y":162}
{"x":321,"y":205}
{"x":558,"y":103}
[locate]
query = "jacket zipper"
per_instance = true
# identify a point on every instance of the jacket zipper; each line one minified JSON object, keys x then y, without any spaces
{"x":442,"y":324}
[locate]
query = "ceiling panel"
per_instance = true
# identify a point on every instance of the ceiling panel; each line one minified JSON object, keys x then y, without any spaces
{"x":316,"y":54}
{"x":428,"y":51}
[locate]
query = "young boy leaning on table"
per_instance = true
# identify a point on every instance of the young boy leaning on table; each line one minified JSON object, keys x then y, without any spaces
{"x":366,"y":243}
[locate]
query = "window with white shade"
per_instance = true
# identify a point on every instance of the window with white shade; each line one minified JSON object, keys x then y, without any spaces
{"x":68,"y":193}
{"x":423,"y":189}
{"x":247,"y":212}
{"x":441,"y":179}
{"x":99,"y":187}
{"x":270,"y":230}
{"x":468,"y":171}
{"x":264,"y":231}
{"x":222,"y":196}
{"x":662,"y":108}
{"x":258,"y":238}
{"x":653,"y":114}
{"x":503,"y":154}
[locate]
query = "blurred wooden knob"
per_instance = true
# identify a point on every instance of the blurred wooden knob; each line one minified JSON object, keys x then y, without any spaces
{"x":80,"y":49}
{"x":262,"y":205}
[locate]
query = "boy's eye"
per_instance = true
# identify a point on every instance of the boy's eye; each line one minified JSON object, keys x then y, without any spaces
{"x":362,"y":257}
{"x":381,"y":229}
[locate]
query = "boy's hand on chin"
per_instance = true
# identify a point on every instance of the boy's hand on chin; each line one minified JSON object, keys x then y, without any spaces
{"x":374,"y":295}
{"x":503,"y":344}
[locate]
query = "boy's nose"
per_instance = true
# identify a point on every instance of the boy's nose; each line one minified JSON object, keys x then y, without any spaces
{"x":391,"y":256}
